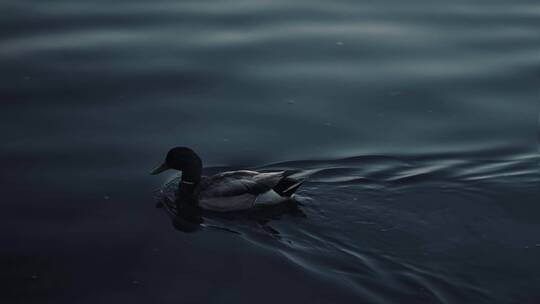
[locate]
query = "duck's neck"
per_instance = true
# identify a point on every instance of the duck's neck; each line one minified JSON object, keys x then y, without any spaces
{"x":191,"y":175}
{"x":191,"y":178}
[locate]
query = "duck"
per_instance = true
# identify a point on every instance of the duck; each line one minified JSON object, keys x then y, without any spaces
{"x":226,"y":191}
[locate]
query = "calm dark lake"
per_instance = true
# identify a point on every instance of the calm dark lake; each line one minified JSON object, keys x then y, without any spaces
{"x":417,"y":122}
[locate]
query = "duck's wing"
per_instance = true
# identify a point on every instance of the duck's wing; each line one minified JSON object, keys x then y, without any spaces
{"x":234,"y":183}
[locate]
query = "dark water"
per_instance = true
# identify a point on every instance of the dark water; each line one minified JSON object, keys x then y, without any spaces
{"x":417,"y":121}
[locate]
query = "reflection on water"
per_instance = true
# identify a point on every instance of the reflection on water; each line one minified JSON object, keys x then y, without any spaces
{"x":417,"y":123}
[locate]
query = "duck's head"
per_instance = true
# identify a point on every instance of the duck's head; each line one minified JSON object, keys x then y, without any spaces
{"x":183,"y":159}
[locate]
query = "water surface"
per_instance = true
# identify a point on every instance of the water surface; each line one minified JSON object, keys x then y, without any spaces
{"x":417,"y":121}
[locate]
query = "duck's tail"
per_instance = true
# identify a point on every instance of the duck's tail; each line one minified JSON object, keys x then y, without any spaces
{"x":287,"y":186}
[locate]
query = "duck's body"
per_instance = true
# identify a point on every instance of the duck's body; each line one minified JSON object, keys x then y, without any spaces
{"x":240,"y":190}
{"x":227,"y":191}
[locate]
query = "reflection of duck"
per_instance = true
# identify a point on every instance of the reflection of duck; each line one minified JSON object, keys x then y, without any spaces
{"x":227,"y":191}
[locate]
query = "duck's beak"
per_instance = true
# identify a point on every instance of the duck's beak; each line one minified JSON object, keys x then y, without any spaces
{"x":159,"y":169}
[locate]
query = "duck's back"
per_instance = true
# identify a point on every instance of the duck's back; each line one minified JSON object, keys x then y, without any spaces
{"x":237,"y":190}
